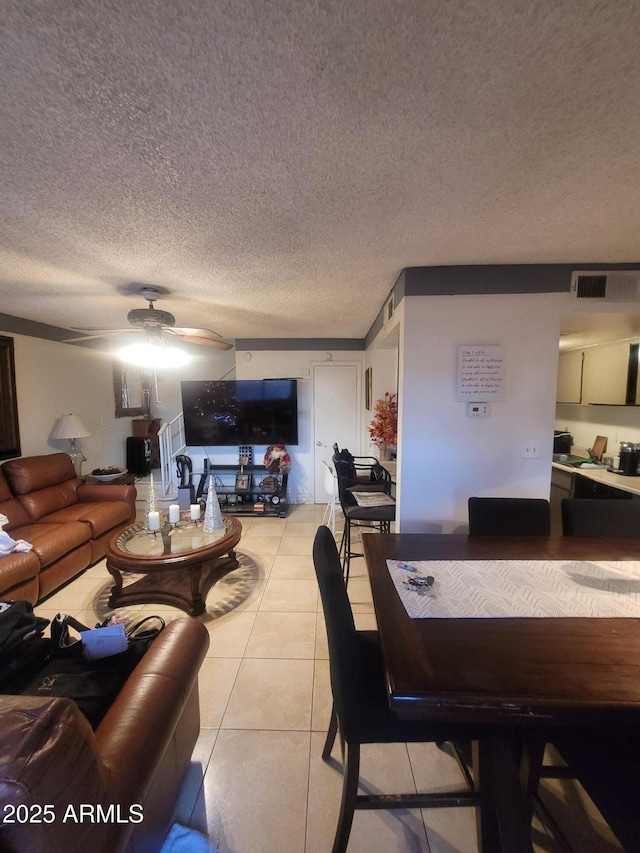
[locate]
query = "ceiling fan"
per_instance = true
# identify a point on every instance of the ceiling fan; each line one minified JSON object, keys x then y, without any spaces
{"x":156,"y":325}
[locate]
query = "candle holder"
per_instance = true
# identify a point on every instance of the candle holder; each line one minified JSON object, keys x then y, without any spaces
{"x":184,"y":522}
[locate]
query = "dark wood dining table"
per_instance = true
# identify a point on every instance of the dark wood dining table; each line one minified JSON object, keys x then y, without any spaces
{"x":519,"y":676}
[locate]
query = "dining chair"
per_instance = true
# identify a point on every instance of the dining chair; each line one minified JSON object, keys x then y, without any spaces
{"x":606,"y":764}
{"x":600,"y":517}
{"x":360,"y":474}
{"x":360,"y":711}
{"x":331,"y":488}
{"x":509,"y":516}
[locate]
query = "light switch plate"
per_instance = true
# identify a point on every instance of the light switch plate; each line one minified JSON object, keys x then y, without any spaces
{"x":478,"y":410}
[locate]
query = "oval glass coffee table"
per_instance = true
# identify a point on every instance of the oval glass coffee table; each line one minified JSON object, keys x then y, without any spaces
{"x":178,"y":564}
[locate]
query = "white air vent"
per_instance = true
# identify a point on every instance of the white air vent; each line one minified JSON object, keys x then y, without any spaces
{"x":615,"y":286}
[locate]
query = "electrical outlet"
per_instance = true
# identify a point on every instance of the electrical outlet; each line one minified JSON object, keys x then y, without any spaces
{"x":530,"y":449}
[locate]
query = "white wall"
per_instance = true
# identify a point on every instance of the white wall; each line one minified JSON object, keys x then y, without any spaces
{"x":54,"y":379}
{"x":444,"y":456}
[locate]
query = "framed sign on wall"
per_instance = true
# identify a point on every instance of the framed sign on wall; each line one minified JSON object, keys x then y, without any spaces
{"x":9,"y":427}
{"x":480,"y":373}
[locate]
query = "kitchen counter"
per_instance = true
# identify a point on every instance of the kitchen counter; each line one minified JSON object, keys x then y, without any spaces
{"x":604,"y":476}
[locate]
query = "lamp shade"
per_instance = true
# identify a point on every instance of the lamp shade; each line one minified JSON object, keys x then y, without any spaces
{"x":70,"y":426}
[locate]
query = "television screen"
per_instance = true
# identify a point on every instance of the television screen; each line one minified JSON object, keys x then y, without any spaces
{"x":227,"y":413}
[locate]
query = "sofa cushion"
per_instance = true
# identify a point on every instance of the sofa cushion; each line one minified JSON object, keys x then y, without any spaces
{"x":94,"y":494}
{"x":100,"y":517}
{"x":45,"y":501}
{"x":11,"y":507}
{"x":18,"y":567}
{"x":53,"y":541}
{"x":42,"y":484}
{"x":32,"y":473}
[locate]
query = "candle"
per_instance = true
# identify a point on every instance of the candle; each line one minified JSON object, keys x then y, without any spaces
{"x":154,"y":521}
{"x":174,"y":513}
{"x":195,"y":512}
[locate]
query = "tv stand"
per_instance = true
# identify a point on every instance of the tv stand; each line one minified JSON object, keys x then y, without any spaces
{"x":250,"y":490}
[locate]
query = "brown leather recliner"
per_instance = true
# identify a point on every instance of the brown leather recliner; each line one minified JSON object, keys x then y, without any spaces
{"x":112,"y":790}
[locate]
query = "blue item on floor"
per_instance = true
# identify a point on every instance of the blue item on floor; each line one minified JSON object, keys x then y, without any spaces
{"x":181,"y":839}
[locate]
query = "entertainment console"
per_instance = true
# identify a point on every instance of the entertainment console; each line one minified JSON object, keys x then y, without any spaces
{"x":246,"y":490}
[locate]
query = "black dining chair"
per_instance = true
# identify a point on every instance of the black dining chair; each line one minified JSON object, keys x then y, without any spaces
{"x":509,"y":517}
{"x":360,"y":474}
{"x":606,"y":763}
{"x":600,"y":517}
{"x":360,"y":712}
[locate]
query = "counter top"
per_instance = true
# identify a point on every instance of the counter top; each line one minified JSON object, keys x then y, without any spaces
{"x":603,"y":475}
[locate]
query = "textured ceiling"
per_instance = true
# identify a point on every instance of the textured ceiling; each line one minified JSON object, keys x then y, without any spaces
{"x":276,"y":164}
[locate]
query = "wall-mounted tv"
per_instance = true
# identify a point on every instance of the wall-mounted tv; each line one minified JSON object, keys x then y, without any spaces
{"x":227,"y":413}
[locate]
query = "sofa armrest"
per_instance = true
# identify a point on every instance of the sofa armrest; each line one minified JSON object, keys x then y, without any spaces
{"x":96,"y":492}
{"x":136,"y":730}
{"x":48,"y":757}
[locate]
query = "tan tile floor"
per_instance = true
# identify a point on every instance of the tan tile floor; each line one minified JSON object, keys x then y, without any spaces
{"x":257,"y":783}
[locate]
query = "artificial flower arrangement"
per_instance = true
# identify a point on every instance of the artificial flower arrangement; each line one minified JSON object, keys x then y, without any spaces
{"x":383,"y":429}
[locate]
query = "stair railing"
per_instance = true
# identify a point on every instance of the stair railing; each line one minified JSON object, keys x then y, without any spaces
{"x":172,"y":443}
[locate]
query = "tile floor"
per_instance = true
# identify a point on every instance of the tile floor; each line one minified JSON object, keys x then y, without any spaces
{"x":257,"y":783}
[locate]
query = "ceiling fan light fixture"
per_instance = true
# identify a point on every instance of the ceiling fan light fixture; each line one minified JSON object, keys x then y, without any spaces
{"x":153,"y":355}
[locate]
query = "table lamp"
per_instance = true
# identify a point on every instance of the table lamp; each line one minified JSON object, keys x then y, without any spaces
{"x":72,"y":427}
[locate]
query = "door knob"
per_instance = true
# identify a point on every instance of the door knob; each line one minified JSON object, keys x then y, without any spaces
{"x":320,"y":444}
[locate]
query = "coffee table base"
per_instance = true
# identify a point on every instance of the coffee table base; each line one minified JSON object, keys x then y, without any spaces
{"x":186,"y":588}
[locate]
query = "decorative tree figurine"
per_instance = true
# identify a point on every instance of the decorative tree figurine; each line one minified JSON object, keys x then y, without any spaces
{"x":152,"y":500}
{"x":213,"y":520}
{"x":153,"y":508}
{"x":383,"y":429}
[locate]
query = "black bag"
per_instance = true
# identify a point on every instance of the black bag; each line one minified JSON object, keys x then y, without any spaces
{"x":23,"y":649}
{"x":93,"y":685}
{"x":139,"y":636}
{"x":142,"y":634}
{"x":18,"y":623}
{"x":63,"y":643}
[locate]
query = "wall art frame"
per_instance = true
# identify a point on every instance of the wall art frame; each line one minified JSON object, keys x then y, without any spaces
{"x":9,"y":423}
{"x":132,"y":391}
{"x":368,"y":388}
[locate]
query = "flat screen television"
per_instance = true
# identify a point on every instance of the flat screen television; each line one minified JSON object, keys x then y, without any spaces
{"x":227,"y":413}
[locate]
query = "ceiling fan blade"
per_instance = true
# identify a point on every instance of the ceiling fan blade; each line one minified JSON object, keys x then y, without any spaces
{"x":207,"y":342}
{"x":98,"y":333}
{"x":200,"y":333}
{"x":99,"y":330}
{"x":205,"y":337}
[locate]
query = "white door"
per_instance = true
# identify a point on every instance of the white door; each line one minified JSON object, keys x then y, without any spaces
{"x":336,"y":418}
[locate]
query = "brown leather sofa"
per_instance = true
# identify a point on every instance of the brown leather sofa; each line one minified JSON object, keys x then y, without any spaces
{"x":67,"y":522}
{"x":112,"y":790}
